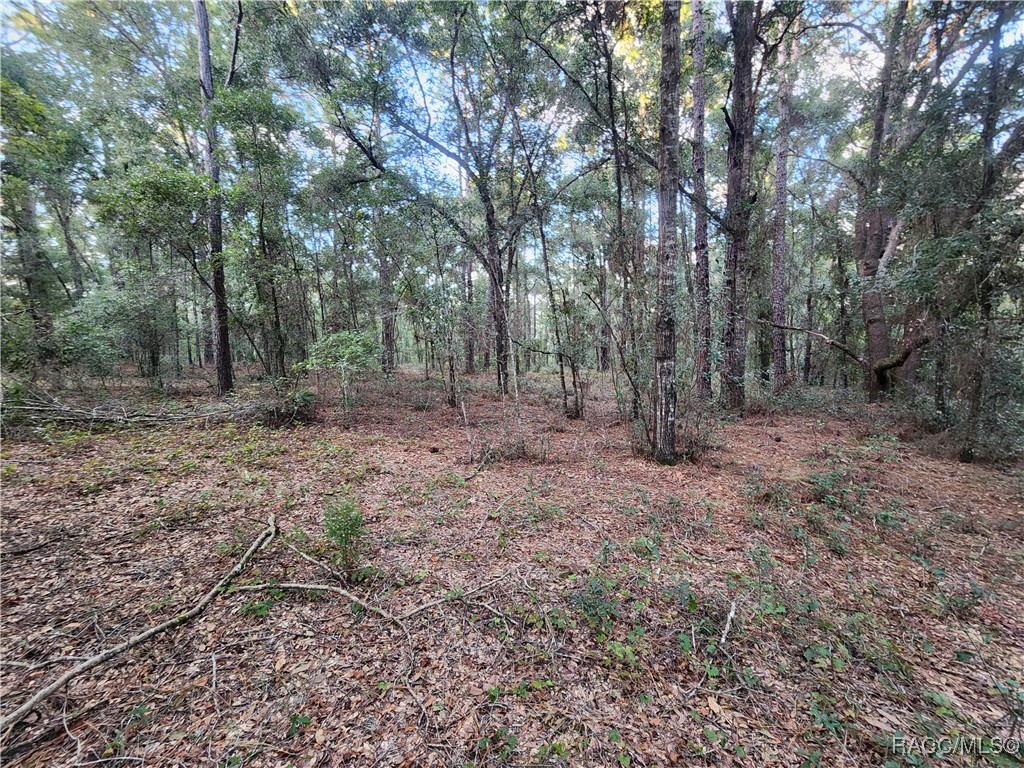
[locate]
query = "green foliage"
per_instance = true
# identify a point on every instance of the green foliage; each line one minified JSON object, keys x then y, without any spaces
{"x":343,"y":356}
{"x":598,"y":605}
{"x":297,"y":722}
{"x":343,"y":525}
{"x":503,"y":744}
{"x":837,"y":490}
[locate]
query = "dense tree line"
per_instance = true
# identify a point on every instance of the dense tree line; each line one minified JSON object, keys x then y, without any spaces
{"x":696,"y":198}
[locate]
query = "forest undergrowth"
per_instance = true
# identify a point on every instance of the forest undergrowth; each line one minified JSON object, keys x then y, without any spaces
{"x":527,"y":590}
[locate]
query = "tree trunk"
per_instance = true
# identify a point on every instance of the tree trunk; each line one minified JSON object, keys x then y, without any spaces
{"x":988,"y":179}
{"x":940,"y":376}
{"x":740,"y":122}
{"x":779,"y":226}
{"x":388,"y":312}
{"x":209,"y":353}
{"x":668,"y":243}
{"x":225,"y":377}
{"x":469,"y":327}
{"x":74,"y":257}
{"x":872,"y":222}
{"x":553,"y":311}
{"x":810,"y":324}
{"x":700,"y":201}
{"x":604,"y":345}
{"x":975,"y":396}
{"x":496,"y":274}
{"x":33,"y":260}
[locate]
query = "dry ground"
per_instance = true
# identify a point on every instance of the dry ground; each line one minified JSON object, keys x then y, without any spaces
{"x":809,"y":589}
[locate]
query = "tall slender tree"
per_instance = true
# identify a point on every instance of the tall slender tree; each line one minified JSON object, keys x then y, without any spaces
{"x":702,"y":275}
{"x":668,"y":238}
{"x":214,"y":225}
{"x":779,"y":221}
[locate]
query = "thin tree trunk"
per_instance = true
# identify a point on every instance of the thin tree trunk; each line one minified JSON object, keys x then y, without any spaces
{"x":499,"y":312}
{"x":225,"y":376}
{"x":700,"y":199}
{"x":32,"y":264}
{"x":976,"y":394}
{"x":668,"y":242}
{"x":988,"y":179}
{"x":74,"y":257}
{"x":809,"y":324}
{"x":779,"y":225}
{"x":388,"y":310}
{"x":469,"y":327}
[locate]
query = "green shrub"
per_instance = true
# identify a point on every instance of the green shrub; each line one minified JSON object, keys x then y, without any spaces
{"x":341,"y":356}
{"x":343,"y":525}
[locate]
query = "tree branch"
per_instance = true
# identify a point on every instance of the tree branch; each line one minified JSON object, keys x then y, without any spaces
{"x":818,"y":335}
{"x":234,"y":48}
{"x":9,"y":721}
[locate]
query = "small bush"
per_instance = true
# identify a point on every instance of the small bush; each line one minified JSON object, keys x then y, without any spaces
{"x":341,"y":357}
{"x":343,"y":525}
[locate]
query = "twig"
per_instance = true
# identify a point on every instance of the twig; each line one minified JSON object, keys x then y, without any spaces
{"x":41,"y":664}
{"x":446,"y":598}
{"x":728,"y":623}
{"x":323,"y":588}
{"x":213,"y":682}
{"x":399,"y":620}
{"x":309,"y":558}
{"x":9,"y":721}
{"x":26,"y":550}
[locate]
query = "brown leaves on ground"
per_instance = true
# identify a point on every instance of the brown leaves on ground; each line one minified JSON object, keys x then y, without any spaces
{"x":872,"y":590}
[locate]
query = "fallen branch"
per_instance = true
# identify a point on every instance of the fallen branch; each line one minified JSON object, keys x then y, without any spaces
{"x":322,"y":588}
{"x":399,"y":620}
{"x":728,"y":623}
{"x":26,"y":550}
{"x":446,"y":598}
{"x":9,"y":721}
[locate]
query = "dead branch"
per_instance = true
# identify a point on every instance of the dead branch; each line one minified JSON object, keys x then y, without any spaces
{"x":830,"y":341}
{"x":728,"y":623}
{"x":41,"y":410}
{"x":399,"y":620}
{"x":323,"y":588}
{"x":26,"y":550}
{"x":463,"y":595}
{"x":310,"y":559}
{"x":9,"y":721}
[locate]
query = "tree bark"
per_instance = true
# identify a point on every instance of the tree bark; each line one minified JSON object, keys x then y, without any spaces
{"x":388,"y":310}
{"x":74,"y":257}
{"x":215,"y":246}
{"x":668,"y":243}
{"x":779,"y":226}
{"x":872,"y":223}
{"x":700,"y":197}
{"x":810,"y":324}
{"x":740,"y":122}
{"x":33,"y":260}
{"x":469,"y":327}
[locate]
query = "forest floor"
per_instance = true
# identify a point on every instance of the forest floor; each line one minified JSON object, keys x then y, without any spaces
{"x":810,"y":589}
